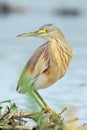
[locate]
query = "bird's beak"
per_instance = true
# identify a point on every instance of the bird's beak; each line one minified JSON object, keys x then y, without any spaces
{"x":34,"y":34}
{"x":29,"y":34}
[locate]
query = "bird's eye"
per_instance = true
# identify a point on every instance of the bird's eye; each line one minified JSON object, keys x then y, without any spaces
{"x":43,"y":31}
{"x":46,"y":30}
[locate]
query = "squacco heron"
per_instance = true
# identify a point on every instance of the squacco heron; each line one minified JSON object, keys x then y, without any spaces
{"x":48,"y":63}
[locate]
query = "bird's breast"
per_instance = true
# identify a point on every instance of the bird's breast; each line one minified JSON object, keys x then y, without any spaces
{"x":51,"y":66}
{"x":59,"y":62}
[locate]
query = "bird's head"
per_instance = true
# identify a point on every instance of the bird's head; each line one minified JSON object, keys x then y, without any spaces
{"x":45,"y":32}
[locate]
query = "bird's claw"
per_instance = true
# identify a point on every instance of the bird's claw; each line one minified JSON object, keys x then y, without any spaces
{"x":48,"y":110}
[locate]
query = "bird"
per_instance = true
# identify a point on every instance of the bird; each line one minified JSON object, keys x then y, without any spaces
{"x":48,"y":63}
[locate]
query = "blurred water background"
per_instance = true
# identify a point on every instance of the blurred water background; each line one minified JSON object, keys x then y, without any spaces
{"x":28,"y":15}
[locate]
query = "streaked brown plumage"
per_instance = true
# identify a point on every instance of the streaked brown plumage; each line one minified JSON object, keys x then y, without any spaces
{"x":49,"y":62}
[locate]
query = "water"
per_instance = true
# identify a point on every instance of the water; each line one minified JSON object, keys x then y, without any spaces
{"x":71,"y":90}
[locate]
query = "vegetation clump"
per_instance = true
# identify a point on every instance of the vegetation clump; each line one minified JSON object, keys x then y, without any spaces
{"x":13,"y":118}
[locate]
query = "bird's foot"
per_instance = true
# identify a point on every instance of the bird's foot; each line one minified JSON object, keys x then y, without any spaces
{"x":53,"y":116}
{"x":48,"y":110}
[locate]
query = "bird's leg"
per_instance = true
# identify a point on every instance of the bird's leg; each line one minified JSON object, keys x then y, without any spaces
{"x":41,"y":99}
{"x":46,"y":107}
{"x":35,"y":98}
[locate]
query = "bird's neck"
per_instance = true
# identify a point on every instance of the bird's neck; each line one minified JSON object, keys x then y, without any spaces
{"x":63,"y":50}
{"x":61,"y":43}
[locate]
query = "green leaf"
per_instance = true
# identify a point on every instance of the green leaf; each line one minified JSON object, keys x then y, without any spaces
{"x":0,"y":111}
{"x":13,"y":109}
{"x":5,"y":101}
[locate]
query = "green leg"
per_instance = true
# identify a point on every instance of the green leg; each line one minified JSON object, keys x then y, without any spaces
{"x":41,"y":102}
{"x":36,"y":99}
{"x":41,"y":99}
{"x":45,"y":107}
